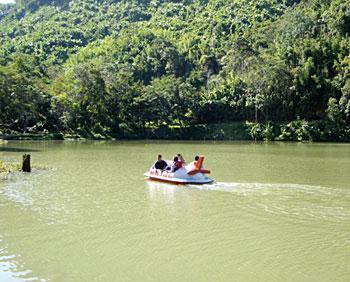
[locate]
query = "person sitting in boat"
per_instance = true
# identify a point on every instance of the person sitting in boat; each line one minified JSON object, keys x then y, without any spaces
{"x":160,"y":163}
{"x":176,"y":164}
{"x":181,"y":158}
{"x":194,"y":163}
{"x":196,"y":158}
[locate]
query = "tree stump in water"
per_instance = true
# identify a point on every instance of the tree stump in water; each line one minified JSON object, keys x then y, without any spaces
{"x":26,"y":163}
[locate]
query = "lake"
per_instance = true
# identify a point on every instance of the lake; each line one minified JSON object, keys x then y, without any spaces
{"x":277,"y":212}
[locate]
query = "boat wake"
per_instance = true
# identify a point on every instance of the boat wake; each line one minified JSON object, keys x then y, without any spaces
{"x":298,"y":202}
{"x":295,"y":200}
{"x":242,"y":187}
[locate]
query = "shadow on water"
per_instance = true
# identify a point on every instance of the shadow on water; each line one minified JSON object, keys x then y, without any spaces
{"x":17,"y":150}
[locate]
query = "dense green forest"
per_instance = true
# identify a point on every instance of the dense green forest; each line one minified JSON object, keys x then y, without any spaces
{"x":275,"y":69}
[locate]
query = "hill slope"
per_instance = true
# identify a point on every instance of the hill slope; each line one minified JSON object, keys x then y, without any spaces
{"x":117,"y":67}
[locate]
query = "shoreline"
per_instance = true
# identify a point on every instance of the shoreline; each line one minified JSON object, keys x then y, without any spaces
{"x":294,"y":131}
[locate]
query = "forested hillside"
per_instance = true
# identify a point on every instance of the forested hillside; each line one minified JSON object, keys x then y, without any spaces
{"x":145,"y":68}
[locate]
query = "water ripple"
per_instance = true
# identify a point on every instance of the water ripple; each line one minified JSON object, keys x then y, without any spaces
{"x":303,"y":202}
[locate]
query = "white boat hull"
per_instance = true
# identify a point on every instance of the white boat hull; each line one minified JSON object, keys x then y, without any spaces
{"x":181,"y":176}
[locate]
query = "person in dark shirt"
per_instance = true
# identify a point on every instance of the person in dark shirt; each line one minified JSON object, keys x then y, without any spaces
{"x":160,"y":163}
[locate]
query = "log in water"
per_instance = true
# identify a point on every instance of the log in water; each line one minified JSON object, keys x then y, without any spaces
{"x":26,"y":167}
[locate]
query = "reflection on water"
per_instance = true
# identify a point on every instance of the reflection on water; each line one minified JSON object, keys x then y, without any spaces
{"x":26,"y":191}
{"x":22,"y":150}
{"x":10,"y":269}
{"x":165,"y":190}
{"x":92,"y":216}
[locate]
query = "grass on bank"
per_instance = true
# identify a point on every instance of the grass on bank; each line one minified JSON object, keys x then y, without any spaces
{"x":7,"y":168}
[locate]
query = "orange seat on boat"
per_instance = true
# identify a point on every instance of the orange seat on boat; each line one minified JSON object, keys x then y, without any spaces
{"x":198,"y":167}
{"x":195,"y":171}
{"x":199,"y":163}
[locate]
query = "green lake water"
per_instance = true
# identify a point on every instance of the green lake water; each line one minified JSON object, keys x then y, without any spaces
{"x":277,"y":212}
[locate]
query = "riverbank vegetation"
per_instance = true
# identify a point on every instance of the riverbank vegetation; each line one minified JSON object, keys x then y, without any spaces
{"x":210,"y":69}
{"x":7,"y":168}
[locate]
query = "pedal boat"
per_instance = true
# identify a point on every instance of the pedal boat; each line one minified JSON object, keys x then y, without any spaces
{"x":190,"y":174}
